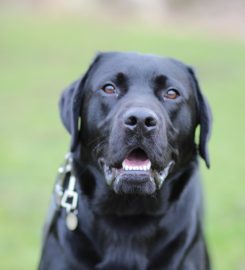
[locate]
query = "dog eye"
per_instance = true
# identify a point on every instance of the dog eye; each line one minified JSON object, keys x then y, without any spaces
{"x":109,"y":88}
{"x":171,"y":94}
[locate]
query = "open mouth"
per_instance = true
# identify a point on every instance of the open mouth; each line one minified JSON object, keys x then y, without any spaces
{"x":136,"y":174}
{"x":137,"y":160}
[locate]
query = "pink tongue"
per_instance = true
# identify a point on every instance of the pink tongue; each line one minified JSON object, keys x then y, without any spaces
{"x":137,"y":158}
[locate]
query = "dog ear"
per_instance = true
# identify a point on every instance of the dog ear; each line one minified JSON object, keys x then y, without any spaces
{"x":70,"y":106}
{"x":204,"y":119}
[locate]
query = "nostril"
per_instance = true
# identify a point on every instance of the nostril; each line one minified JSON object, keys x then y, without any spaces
{"x":150,"y":122}
{"x":131,"y":121}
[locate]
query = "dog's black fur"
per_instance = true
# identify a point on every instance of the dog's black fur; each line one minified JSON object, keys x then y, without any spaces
{"x":132,"y":224}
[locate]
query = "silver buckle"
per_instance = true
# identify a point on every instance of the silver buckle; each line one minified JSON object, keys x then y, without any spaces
{"x":70,"y":196}
{"x":62,"y":174}
{"x":67,"y":198}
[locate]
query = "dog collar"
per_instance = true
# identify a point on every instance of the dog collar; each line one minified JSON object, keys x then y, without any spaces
{"x":65,"y":192}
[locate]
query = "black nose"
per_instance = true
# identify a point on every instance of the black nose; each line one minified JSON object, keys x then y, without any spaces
{"x":142,"y":118}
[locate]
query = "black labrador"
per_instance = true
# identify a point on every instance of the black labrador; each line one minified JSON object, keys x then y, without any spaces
{"x":129,"y":195}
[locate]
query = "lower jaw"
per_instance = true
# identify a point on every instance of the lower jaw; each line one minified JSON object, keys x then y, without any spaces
{"x":136,"y":182}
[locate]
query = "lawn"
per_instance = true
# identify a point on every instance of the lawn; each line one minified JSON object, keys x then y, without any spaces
{"x":41,"y":55}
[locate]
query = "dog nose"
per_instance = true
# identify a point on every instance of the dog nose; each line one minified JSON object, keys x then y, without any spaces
{"x":142,"y":118}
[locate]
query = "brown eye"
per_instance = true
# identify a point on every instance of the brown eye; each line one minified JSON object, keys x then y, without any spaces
{"x":109,"y":88}
{"x":171,"y":94}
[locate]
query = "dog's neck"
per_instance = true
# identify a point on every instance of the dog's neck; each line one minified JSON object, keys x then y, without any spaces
{"x":140,"y":222}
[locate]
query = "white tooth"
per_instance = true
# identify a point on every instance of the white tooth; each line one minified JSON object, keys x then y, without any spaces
{"x":123,"y":165}
{"x":141,"y":168}
{"x":126,"y":167}
{"x":148,"y":166}
{"x":145,"y":168}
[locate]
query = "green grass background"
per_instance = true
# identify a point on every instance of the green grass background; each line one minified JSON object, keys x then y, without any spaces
{"x":41,"y":55}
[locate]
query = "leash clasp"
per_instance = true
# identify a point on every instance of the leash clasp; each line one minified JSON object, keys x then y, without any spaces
{"x":66,"y":197}
{"x":70,"y":196}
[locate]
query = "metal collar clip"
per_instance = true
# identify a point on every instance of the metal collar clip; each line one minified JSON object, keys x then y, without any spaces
{"x":67,"y":198}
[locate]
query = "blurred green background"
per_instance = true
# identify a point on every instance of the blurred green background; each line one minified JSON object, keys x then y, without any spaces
{"x":41,"y":53}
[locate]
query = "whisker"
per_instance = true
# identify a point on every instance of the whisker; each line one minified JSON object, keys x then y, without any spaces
{"x":98,"y":147}
{"x":94,"y":141}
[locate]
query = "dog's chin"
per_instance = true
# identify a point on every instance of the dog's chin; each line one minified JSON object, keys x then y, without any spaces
{"x":134,"y":182}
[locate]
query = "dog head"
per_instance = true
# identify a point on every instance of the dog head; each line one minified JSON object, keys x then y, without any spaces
{"x":134,"y":116}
